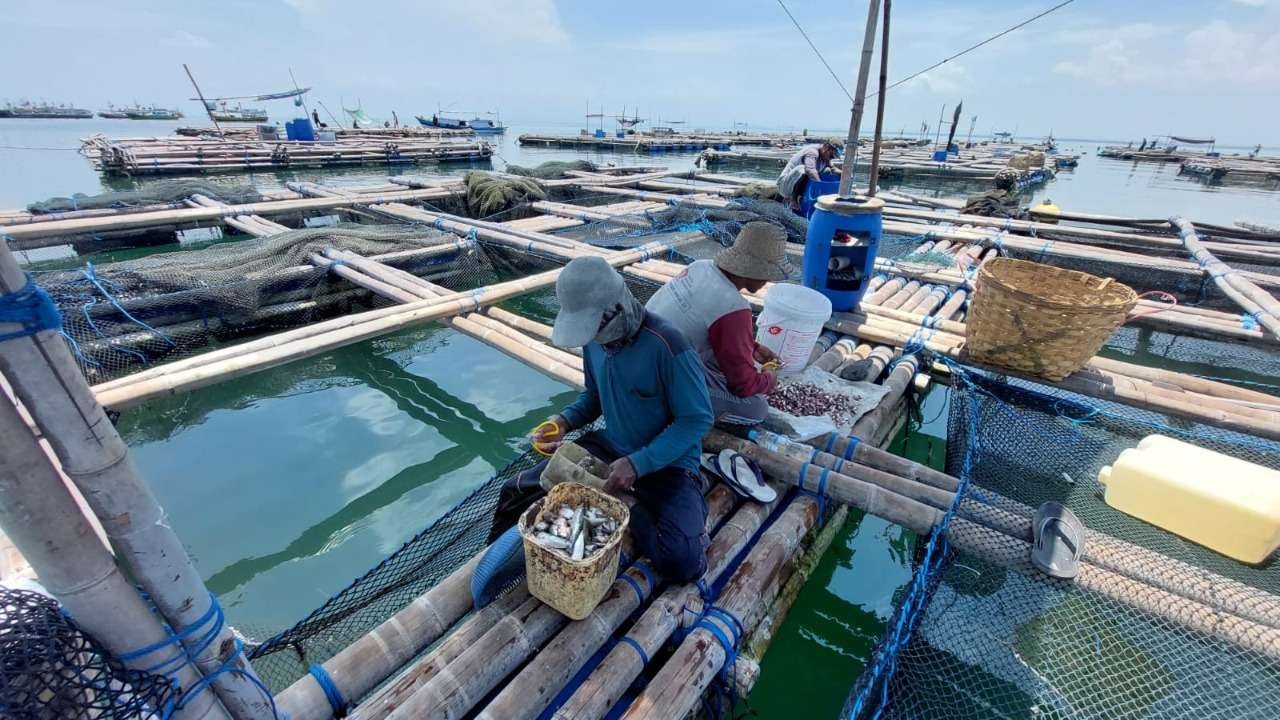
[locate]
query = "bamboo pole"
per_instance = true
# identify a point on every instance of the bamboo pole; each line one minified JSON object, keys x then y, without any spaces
{"x":374,"y":657}
{"x":1011,"y":518}
{"x":465,"y":634}
{"x":41,"y":518}
{"x":264,"y":353}
{"x":46,"y":378}
{"x":679,"y":685}
{"x":1248,"y":296}
{"x":529,"y":692}
{"x":456,"y":688}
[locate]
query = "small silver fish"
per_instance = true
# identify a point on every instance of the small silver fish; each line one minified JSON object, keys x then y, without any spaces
{"x":566,"y":512}
{"x":541,"y":526}
{"x":579,"y":547}
{"x":551,"y":541}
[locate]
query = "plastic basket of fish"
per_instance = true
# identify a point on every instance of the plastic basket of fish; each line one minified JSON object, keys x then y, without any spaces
{"x":571,"y":546}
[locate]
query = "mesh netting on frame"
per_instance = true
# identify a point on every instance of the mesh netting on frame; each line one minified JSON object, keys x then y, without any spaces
{"x":991,"y":642}
{"x":51,"y":670}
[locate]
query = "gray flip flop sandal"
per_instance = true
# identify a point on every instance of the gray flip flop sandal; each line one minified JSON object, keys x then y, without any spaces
{"x":1057,"y":541}
{"x":743,"y":475}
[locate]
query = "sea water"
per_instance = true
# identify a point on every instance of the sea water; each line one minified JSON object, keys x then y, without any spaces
{"x":286,"y":484}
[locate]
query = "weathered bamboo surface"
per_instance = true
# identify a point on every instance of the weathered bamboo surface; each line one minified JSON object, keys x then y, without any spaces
{"x":1252,"y":299}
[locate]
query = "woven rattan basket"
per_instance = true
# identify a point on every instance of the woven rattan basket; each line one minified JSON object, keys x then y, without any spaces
{"x":1042,"y":320}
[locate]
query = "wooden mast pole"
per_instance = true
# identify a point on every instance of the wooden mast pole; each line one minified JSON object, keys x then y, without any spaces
{"x":203,"y":102}
{"x":884,"y":79}
{"x":859,"y":101}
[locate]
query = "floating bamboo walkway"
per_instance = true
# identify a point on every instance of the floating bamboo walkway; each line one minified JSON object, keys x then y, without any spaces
{"x":439,"y":657}
{"x":189,"y":156}
{"x":1213,"y":167}
{"x":658,"y":142}
{"x":239,"y":132}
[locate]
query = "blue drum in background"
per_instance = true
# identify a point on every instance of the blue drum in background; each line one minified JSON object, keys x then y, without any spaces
{"x":840,"y":248}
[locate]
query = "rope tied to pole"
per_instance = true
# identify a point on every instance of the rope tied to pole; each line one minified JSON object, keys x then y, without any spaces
{"x":30,"y":307}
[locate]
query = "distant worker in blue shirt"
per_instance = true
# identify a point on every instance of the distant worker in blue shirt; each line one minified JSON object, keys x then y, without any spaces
{"x":645,"y":380}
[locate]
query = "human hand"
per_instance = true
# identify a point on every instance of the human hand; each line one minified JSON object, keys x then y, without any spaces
{"x":622,"y":477}
{"x":764,"y":355}
{"x":548,"y":436}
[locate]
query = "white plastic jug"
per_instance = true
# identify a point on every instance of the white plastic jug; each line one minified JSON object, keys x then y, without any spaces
{"x":790,"y":323}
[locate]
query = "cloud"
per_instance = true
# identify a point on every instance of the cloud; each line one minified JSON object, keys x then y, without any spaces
{"x":184,"y":39}
{"x":948,"y":79}
{"x":1208,"y":57}
{"x":1251,"y":3}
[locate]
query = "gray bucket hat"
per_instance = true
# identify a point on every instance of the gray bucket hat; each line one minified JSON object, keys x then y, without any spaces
{"x":759,"y":253}
{"x":587,"y":288}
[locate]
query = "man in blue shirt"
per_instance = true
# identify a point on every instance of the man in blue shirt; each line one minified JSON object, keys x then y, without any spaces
{"x":646,"y":381}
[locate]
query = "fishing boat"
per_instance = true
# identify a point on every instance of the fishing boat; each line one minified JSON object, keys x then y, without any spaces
{"x":479,"y":125}
{"x":113,"y":113}
{"x":237,"y":114}
{"x":153,"y":113}
{"x":44,"y":111}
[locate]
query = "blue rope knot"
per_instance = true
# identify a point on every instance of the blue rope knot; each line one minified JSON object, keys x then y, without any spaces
{"x":716,"y":620}
{"x":849,"y":449}
{"x":438,"y":223}
{"x":331,"y":692}
{"x":1249,"y":321}
{"x":472,"y":235}
{"x":32,"y":308}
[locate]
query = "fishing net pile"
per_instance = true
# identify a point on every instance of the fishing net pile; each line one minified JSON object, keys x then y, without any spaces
{"x":1154,"y":626}
{"x":552,"y":169}
{"x":153,"y":193}
{"x":994,"y":203}
{"x":489,"y":194}
{"x":122,"y":316}
{"x":52,"y":670}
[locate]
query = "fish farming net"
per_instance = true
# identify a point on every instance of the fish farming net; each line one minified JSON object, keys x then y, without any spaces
{"x":51,"y":670}
{"x":433,"y":553}
{"x":124,"y":316}
{"x":1154,"y":626}
{"x":552,"y":169}
{"x":153,"y":193}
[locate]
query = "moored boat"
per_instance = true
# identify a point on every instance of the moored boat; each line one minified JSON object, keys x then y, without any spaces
{"x":44,"y":111}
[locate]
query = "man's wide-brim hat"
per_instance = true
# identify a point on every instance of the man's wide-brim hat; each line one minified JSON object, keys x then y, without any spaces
{"x":758,"y":253}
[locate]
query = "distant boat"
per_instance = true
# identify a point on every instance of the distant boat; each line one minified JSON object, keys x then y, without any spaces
{"x":44,"y":111}
{"x":478,"y":125}
{"x":237,"y":114}
{"x":111,"y":113}
{"x":152,"y":113}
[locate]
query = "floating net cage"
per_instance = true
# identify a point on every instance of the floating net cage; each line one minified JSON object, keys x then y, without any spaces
{"x":51,"y":670}
{"x":433,"y":553}
{"x":122,"y":317}
{"x":975,"y":638}
{"x":159,"y":192}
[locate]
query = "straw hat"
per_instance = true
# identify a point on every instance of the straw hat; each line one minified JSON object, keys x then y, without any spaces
{"x":758,"y":253}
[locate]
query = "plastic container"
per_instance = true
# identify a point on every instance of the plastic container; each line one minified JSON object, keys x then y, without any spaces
{"x":791,"y":322}
{"x":300,"y":129}
{"x":572,"y":587}
{"x":815,"y":190}
{"x":840,"y":248}
{"x":327,"y":136}
{"x":1223,"y":503}
{"x":572,"y":463}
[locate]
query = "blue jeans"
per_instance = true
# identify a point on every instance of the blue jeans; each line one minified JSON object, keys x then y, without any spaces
{"x":667,"y":520}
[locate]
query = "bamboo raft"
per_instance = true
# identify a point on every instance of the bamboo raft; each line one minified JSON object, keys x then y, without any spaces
{"x":440,"y":657}
{"x":186,"y":156}
{"x":237,"y":132}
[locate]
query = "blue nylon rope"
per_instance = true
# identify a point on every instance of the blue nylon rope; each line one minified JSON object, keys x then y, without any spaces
{"x":634,"y":586}
{"x":849,"y":449}
{"x":628,"y":640}
{"x":331,"y":691}
{"x":648,"y":574}
{"x":32,"y":308}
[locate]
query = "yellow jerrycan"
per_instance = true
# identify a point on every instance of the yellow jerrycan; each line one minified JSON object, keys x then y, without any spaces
{"x":1226,"y":504}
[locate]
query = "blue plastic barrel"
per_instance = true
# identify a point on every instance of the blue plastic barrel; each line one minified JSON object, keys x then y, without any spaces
{"x":840,"y":248}
{"x":939,"y":155}
{"x":300,"y":129}
{"x":829,"y":185}
{"x":599,"y":133}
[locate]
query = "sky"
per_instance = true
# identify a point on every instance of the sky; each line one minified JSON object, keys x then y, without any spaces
{"x":1094,"y":69}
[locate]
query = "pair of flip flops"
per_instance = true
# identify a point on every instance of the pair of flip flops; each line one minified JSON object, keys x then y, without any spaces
{"x":1057,"y":541}
{"x":740,"y":473}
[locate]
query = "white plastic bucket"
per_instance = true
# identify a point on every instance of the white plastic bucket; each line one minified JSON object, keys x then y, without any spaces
{"x":791,"y":322}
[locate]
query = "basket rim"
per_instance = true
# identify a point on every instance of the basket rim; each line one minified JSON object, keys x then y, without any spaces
{"x":986,"y":274}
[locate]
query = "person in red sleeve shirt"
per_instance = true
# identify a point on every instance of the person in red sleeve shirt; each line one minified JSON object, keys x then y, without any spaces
{"x":706,"y":305}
